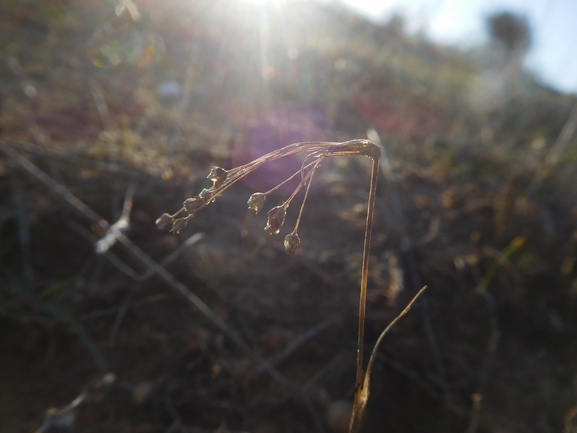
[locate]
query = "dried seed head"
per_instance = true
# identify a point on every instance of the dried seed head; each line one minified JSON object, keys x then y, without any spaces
{"x":164,"y":222}
{"x":291,"y":243}
{"x":178,"y":225}
{"x":205,"y":195}
{"x":275,"y":220}
{"x":256,"y":201}
{"x":193,"y":204}
{"x":218,"y":176}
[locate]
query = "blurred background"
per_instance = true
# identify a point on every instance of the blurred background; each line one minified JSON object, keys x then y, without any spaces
{"x":112,"y":113}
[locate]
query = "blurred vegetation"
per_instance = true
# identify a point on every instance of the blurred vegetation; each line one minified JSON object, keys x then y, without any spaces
{"x":479,"y":203}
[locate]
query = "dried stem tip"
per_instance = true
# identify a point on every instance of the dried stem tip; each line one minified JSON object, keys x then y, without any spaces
{"x":291,"y":243}
{"x":275,"y":220}
{"x":164,"y":222}
{"x":256,"y":201}
{"x":218,"y":176}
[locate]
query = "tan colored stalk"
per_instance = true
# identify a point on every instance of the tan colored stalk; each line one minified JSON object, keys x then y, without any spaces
{"x":357,"y":409}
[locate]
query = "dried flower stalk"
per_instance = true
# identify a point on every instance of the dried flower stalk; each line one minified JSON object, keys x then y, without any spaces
{"x":316,"y":151}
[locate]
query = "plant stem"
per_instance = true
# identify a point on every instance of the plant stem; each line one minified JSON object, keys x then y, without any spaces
{"x":365,"y":272}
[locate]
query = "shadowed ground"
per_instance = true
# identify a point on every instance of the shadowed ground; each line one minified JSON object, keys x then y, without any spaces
{"x":115,"y":105}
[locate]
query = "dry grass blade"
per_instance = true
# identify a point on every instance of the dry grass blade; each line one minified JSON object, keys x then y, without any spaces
{"x":65,"y":416}
{"x":362,"y":393}
{"x":122,"y":225}
{"x":55,"y":186}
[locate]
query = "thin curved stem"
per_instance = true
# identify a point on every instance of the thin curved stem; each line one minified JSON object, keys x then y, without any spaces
{"x":289,"y":178}
{"x":312,"y":173}
{"x":358,"y":404}
{"x":306,"y":179}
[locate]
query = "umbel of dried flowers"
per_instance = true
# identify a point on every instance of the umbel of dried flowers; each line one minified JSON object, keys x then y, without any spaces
{"x":222,"y":179}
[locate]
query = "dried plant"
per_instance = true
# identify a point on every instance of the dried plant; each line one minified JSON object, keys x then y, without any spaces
{"x":315,"y":152}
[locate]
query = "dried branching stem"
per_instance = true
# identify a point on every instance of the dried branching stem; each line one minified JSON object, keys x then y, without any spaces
{"x":316,"y":151}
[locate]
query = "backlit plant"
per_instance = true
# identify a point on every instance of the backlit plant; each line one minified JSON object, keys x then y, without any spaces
{"x":316,"y":152}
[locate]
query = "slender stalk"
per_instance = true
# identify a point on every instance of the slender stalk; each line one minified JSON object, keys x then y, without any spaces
{"x":365,"y":273}
{"x":355,"y":417}
{"x":317,"y":162}
{"x":300,"y":171}
{"x":308,"y":178}
{"x":385,"y":332}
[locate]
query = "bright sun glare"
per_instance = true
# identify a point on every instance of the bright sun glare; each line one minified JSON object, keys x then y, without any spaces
{"x":260,"y":2}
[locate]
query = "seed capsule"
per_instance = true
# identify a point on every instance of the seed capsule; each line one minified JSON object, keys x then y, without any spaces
{"x":193,"y":204}
{"x":178,"y":225}
{"x":218,"y":176}
{"x":275,"y":220}
{"x":291,"y":243}
{"x":205,"y":195}
{"x":164,"y":222}
{"x":256,"y":201}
